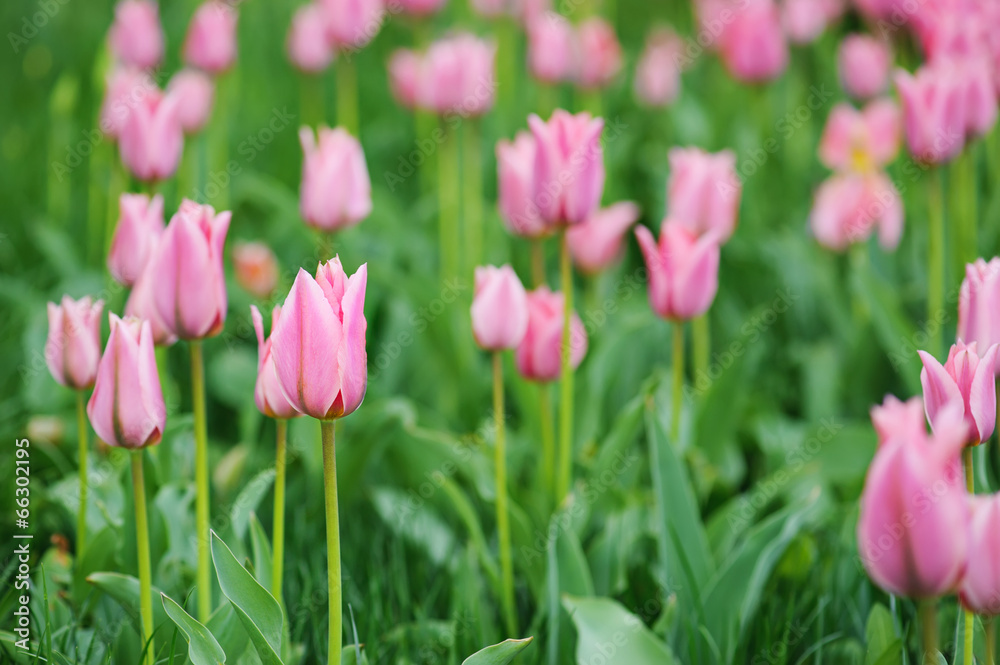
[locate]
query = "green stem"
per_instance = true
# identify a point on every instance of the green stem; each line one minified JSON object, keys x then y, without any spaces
{"x":142,"y":542}
{"x":201,"y":482}
{"x":332,"y":538}
{"x":448,"y":201}
{"x":969,"y":617}
{"x":116,"y":185}
{"x":347,"y":96}
{"x":678,"y":386}
{"x":935,"y":259}
{"x":472,"y":184}
{"x":507,"y":67}
{"x":566,"y":373}
{"x":702,"y":345}
{"x":929,"y":629}
{"x":991,"y":640}
{"x":538,"y":261}
{"x":503,"y":518}
{"x":548,"y":438}
{"x":281,"y":427}
{"x":81,"y":515}
{"x":311,"y":106}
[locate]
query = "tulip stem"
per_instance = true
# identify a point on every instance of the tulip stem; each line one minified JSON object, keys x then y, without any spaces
{"x":566,"y":373}
{"x":278,"y":567}
{"x":81,"y":513}
{"x":929,"y":628}
{"x":448,"y":201}
{"x":329,"y":430}
{"x":548,"y":439}
{"x":503,"y":519}
{"x":701,"y":335}
{"x":507,"y":56}
{"x":311,"y":99}
{"x":970,"y":480}
{"x":991,"y":640}
{"x":963,"y":201}
{"x":677,"y":359}
{"x":538,"y":261}
{"x":472,"y":184}
{"x":347,"y":96}
{"x":970,"y":486}
{"x":935,"y":259}
{"x":201,"y":481}
{"x":142,"y":543}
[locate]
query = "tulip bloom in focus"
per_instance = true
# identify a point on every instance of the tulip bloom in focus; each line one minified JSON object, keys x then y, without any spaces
{"x":73,"y":347}
{"x":499,"y":308}
{"x":538,"y":355}
{"x":967,"y":379}
{"x":683,"y":270}
{"x":210,"y":44}
{"x":140,"y":223}
{"x":703,"y":192}
{"x":267,"y":394}
{"x":597,"y":242}
{"x":569,"y":166}
{"x":336,"y":192}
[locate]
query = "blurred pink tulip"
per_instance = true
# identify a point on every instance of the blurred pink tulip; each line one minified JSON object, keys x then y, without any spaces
{"x":515,"y":187}
{"x":195,"y":92}
{"x":539,"y":354}
{"x":933,"y":113}
{"x":569,"y":166}
{"x":353,"y":23}
{"x":864,"y":62}
{"x":141,"y":303}
{"x":703,"y":192}
{"x":979,"y":304}
{"x":73,"y":347}
{"x":421,"y":7}
{"x":805,"y":20}
{"x":683,"y":270}
{"x":980,"y":587}
{"x":911,"y":542}
{"x":126,"y":88}
{"x":459,"y":76}
{"x":600,"y":54}
{"x":152,"y":139}
{"x":318,"y":343}
{"x":140,"y":223}
{"x":551,"y":56}
{"x":596,"y":243}
{"x":849,"y":206}
{"x":861,"y":141}
{"x":190,"y":286}
{"x":977,"y":84}
{"x":267,"y":393}
{"x":405,"y":72}
{"x":499,"y":308}
{"x":877,"y":9}
{"x":136,"y":36}
{"x":309,"y":47}
{"x":894,"y":418}
{"x":210,"y":44}
{"x":658,"y":73}
{"x":126,"y":409}
{"x":336,"y":192}
{"x":752,"y":42}
{"x":966,"y":379}
{"x":256,"y":268}
{"x":491,"y":8}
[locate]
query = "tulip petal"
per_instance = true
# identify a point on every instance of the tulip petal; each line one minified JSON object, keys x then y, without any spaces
{"x":939,"y":389}
{"x":983,"y":395}
{"x":352,"y":358}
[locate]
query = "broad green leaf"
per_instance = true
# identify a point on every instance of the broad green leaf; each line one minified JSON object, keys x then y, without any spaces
{"x":261,"y":547}
{"x":608,"y":631}
{"x":247,"y":500}
{"x":254,"y":605}
{"x":227,"y":628}
{"x":125,"y":590}
{"x":498,"y":654}
{"x":203,"y":649}
{"x":353,"y":654}
{"x":9,"y":649}
{"x":879,"y":633}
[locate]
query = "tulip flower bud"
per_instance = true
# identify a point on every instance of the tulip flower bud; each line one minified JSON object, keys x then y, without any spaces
{"x":703,"y":192}
{"x":683,"y":270}
{"x":405,"y":73}
{"x":141,"y":304}
{"x":267,"y":394}
{"x":353,"y":23}
{"x":979,"y":304}
{"x":140,"y":223}
{"x":966,"y":379}
{"x":190,"y":287}
{"x":848,"y":207}
{"x":515,"y":187}
{"x":913,"y":526}
{"x":658,"y":74}
{"x":152,"y":138}
{"x":336,"y":192}
{"x":459,"y":76}
{"x":600,"y":54}
{"x":126,"y":409}
{"x":751,"y":42}
{"x":210,"y":44}
{"x":894,"y":418}
{"x":538,"y":355}
{"x":256,"y":269}
{"x":864,"y":62}
{"x":421,"y":7}
{"x":597,"y":242}
{"x":569,"y":166}
{"x":934,"y":114}
{"x":499,"y":308}
{"x":73,"y":347}
{"x":309,"y":47}
{"x":551,"y":55}
{"x":861,"y":141}
{"x":805,"y":20}
{"x":318,"y":343}
{"x":136,"y":36}
{"x":195,"y":92}
{"x":127,"y":87}
{"x":980,"y":587}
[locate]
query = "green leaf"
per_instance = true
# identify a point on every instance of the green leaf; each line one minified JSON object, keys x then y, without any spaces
{"x":203,"y":649}
{"x":98,"y":555}
{"x":879,"y":633}
{"x":605,"y":627}
{"x":262,"y":560}
{"x":353,"y":654}
{"x":125,"y":590}
{"x":227,"y":628}
{"x":255,"y":606}
{"x":498,"y":654}
{"x":247,"y":500}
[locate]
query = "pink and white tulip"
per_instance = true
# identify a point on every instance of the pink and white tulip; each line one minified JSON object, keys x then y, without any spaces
{"x":195,"y":92}
{"x":600,"y":54}
{"x":980,"y":587}
{"x":308,"y":46}
{"x":861,"y":141}
{"x":499,"y":308}
{"x":967,"y":379}
{"x":152,"y":138}
{"x":597,"y":242}
{"x":336,"y":191}
{"x":210,"y":44}
{"x":136,"y":36}
{"x":569,"y":166}
{"x":703,"y":192}
{"x":539,"y":354}
{"x":864,"y":62}
{"x":979,"y":304}
{"x":267,"y":394}
{"x":73,"y":347}
{"x":683,"y":270}
{"x":140,"y":223}
{"x":515,"y":187}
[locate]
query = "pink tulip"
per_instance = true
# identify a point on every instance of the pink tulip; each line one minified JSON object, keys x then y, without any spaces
{"x":933,"y":113}
{"x":126,"y":88}
{"x":597,"y":242}
{"x":539,"y":354}
{"x":515,"y":187}
{"x":600,"y":56}
{"x":195,"y":92}
{"x":126,"y":409}
{"x":421,"y":7}
{"x":308,"y":46}
{"x":703,"y":192}
{"x":136,"y":36}
{"x":899,"y":419}
{"x":318,"y":344}
{"x":683,"y":270}
{"x":864,"y":62}
{"x":569,"y":166}
{"x":152,"y":139}
{"x":877,"y":9}
{"x":805,"y":20}
{"x":980,"y":587}
{"x":752,"y":43}
{"x":140,"y":223}
{"x":336,"y":192}
{"x":979,"y":304}
{"x":210,"y":44}
{"x":353,"y":23}
{"x":529,"y":11}
{"x":499,"y":308}
{"x":459,"y":76}
{"x":966,"y":379}
{"x":267,"y":393}
{"x":190,"y":289}
{"x":551,"y":56}
{"x":861,"y":141}
{"x":849,"y":206}
{"x":141,"y":303}
{"x":73,"y":347}
{"x":913,"y":531}
{"x":492,"y":8}
{"x":405,"y":74}
{"x":976,"y":82}
{"x":256,"y":268}
{"x":658,"y":74}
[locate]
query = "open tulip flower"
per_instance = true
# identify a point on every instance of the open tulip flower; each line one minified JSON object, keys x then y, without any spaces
{"x":703,"y":192}
{"x":849,"y":206}
{"x":597,"y":242}
{"x":683,"y":270}
{"x":965,"y":378}
{"x":979,"y":303}
{"x":861,"y":141}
